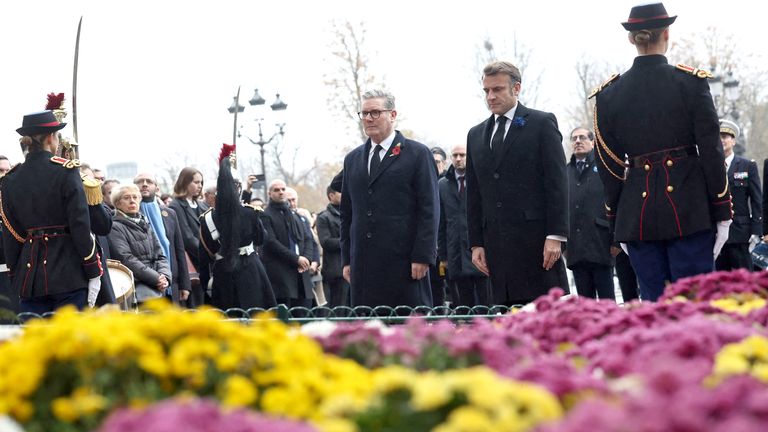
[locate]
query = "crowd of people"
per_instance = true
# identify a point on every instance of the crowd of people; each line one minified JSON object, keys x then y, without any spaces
{"x":652,"y":193}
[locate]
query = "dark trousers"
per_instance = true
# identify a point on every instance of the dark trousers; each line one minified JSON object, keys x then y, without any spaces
{"x":337,"y":292}
{"x":659,"y":262}
{"x":734,"y":256}
{"x":9,"y":299}
{"x":627,"y":278}
{"x":437,"y":284}
{"x":471,"y":291}
{"x":49,"y":303}
{"x":594,"y":280}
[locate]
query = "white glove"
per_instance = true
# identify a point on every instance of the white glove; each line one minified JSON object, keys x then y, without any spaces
{"x":94,"y":285}
{"x":721,"y":237}
{"x":624,"y":248}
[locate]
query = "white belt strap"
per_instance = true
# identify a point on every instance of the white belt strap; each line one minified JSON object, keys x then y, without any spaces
{"x":245,"y":250}
{"x":211,"y":226}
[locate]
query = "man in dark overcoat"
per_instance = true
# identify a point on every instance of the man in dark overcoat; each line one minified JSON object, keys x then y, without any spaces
{"x":517,"y":193}
{"x":287,"y":253}
{"x":589,"y":246}
{"x":389,"y":212}
{"x":464,"y":279}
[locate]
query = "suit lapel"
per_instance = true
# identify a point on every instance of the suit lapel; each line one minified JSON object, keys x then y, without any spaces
{"x":389,"y":156}
{"x":513,"y":134}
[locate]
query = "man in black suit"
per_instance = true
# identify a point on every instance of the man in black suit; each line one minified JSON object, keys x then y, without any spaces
{"x":466,"y":283}
{"x":517,"y":193}
{"x":744,"y":182}
{"x":288,"y":251}
{"x":168,"y":234}
{"x":329,"y":232}
{"x":589,"y":246}
{"x":389,"y":212}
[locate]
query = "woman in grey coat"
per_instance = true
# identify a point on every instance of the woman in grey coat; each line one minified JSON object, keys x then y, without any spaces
{"x":133,"y":243}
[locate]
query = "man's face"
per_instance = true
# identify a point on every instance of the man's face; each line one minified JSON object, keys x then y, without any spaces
{"x":5,"y":166}
{"x":728,"y":142}
{"x":277,"y":192}
{"x":293,"y":198}
{"x":99,"y":175}
{"x":334,"y":198}
{"x":209,"y":197}
{"x":107,"y":189}
{"x":439,"y":163}
{"x":580,"y":143}
{"x":146,"y":184}
{"x":377,"y":128}
{"x":500,"y":94}
{"x":459,"y":157}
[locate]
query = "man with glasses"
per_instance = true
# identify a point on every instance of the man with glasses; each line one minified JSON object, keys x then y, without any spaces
{"x":589,"y":245}
{"x":389,"y":212}
{"x":517,"y":193}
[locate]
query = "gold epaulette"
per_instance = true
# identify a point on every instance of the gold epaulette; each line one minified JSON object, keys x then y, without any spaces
{"x":700,"y":73}
{"x":600,"y":88}
{"x":258,"y":209}
{"x":66,"y":163}
{"x":92,"y":189}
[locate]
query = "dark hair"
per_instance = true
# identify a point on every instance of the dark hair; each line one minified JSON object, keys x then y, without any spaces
{"x":165,"y":196}
{"x":107,"y":183}
{"x":329,"y":190}
{"x":33,"y":143}
{"x":186,"y":176}
{"x":502,"y":67}
{"x":590,"y":134}
{"x":228,"y":216}
{"x":3,"y":157}
{"x":439,"y":151}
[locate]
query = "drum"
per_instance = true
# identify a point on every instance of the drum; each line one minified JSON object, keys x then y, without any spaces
{"x":122,"y":282}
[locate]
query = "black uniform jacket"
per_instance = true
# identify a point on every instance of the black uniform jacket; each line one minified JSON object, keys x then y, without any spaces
{"x":47,"y":238}
{"x":663,"y":121}
{"x":744,"y":182}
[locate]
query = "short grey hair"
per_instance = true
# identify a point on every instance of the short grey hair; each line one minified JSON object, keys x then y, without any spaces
{"x":505,"y":68}
{"x":389,"y":98}
{"x":118,"y":192}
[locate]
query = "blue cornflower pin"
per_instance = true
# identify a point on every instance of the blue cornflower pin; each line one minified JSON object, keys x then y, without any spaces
{"x":518,"y":122}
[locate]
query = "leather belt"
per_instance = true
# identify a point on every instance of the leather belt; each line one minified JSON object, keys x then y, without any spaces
{"x":662,"y":155}
{"x":245,"y":250}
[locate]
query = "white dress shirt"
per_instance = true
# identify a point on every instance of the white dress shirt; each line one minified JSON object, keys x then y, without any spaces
{"x":509,"y":115}
{"x":386,"y":144}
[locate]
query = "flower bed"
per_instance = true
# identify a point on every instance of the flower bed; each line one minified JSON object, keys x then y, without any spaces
{"x":698,"y":360}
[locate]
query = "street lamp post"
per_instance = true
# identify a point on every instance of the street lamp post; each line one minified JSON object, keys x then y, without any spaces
{"x":257,"y":101}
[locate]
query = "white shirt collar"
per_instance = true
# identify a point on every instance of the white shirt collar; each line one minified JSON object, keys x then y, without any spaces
{"x":386,"y":143}
{"x":509,"y":114}
{"x":729,"y":159}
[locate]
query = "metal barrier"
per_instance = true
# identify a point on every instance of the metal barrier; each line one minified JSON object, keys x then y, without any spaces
{"x":387,"y":314}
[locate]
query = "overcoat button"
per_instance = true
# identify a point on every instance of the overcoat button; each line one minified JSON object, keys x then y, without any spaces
{"x":495,"y":175}
{"x":670,"y":163}
{"x":368,"y":235}
{"x":370,"y":191}
{"x":369,"y":213}
{"x":647,"y":167}
{"x":670,"y":188}
{"x":645,"y":194}
{"x":498,"y":204}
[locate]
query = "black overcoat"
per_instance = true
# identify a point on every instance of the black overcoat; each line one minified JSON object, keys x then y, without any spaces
{"x":389,"y":221}
{"x":329,"y":232}
{"x":280,"y":260}
{"x":516,"y":200}
{"x":452,"y":238}
{"x":590,"y":239}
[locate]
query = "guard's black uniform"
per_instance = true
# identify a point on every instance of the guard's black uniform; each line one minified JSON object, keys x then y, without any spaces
{"x":661,"y":119}
{"x":47,"y":235}
{"x":246,"y":286}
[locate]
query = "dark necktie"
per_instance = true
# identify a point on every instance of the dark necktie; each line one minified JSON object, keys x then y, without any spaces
{"x":579,"y":166}
{"x":497,"y":143}
{"x":461,"y":185}
{"x":375,"y":161}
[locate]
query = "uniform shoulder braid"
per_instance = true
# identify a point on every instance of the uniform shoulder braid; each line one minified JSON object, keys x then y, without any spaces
{"x":699,"y":73}
{"x":607,"y":82}
{"x":258,"y":209}
{"x":66,"y":163}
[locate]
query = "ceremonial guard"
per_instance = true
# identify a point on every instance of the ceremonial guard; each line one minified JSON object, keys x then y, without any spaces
{"x":228,"y":235}
{"x":744,"y":184}
{"x":47,"y":239}
{"x":661,"y":161}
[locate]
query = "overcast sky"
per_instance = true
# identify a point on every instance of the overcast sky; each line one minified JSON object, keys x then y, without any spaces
{"x":156,"y":77}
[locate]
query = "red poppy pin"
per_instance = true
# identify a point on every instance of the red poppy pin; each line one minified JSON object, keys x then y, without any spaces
{"x":396,"y":150}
